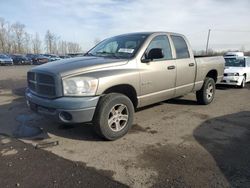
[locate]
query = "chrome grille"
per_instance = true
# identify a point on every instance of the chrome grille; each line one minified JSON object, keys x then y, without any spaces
{"x":42,"y":84}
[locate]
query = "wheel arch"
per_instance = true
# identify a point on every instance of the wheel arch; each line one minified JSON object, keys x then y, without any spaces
{"x":245,"y":74}
{"x":126,"y":90}
{"x":213,"y":74}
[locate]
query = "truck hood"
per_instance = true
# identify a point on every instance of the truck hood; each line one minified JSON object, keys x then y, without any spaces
{"x":239,"y":70}
{"x":72,"y":66}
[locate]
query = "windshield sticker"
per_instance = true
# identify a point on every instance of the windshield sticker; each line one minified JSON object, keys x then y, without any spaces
{"x":126,"y":50}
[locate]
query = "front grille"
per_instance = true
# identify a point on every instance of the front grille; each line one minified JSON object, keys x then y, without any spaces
{"x":46,"y":79}
{"x":233,"y":81}
{"x":42,"y":84}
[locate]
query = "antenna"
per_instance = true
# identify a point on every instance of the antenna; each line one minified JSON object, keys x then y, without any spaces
{"x":208,"y":37}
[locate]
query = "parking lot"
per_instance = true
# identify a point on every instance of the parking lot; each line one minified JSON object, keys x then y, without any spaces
{"x":176,"y":143}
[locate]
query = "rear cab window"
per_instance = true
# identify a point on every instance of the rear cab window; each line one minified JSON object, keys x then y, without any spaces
{"x":181,"y":47}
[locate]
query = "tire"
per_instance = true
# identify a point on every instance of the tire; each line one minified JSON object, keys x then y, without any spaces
{"x":110,"y":118}
{"x":206,"y":94}
{"x":243,"y":83}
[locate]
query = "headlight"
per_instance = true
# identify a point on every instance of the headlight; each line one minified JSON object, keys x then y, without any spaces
{"x":80,"y":86}
{"x":236,"y":74}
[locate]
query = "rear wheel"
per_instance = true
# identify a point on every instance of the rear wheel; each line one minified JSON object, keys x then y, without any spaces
{"x":206,"y":94}
{"x":114,"y":116}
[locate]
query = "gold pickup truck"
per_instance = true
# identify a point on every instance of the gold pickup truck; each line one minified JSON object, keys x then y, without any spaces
{"x":118,"y":75}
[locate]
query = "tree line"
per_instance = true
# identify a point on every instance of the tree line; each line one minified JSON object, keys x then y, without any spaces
{"x":218,"y":53}
{"x":15,"y":40}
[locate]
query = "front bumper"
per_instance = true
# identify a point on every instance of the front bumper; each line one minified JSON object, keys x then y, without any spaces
{"x":64,"y":109}
{"x":6,"y":63}
{"x":232,"y":80}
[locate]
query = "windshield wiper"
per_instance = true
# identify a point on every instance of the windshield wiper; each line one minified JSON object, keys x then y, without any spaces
{"x":108,"y":54}
{"x":89,"y":54}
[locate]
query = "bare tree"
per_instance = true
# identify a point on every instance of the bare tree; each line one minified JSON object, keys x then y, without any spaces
{"x":242,"y":48}
{"x":9,"y":39}
{"x":74,"y":47}
{"x":27,"y":43}
{"x":6,"y":38}
{"x":2,"y":35}
{"x":18,"y":32}
{"x":62,"y":47}
{"x":55,"y":45}
{"x":50,"y":42}
{"x":36,"y":44}
{"x":14,"y":39}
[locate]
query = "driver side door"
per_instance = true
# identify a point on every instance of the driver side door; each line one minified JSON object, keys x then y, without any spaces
{"x":158,"y":77}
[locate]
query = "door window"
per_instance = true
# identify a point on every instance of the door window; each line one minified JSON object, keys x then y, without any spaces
{"x":181,"y":47}
{"x":248,"y":61}
{"x":162,"y":42}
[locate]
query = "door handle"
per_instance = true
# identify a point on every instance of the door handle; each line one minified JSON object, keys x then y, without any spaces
{"x":191,"y":64}
{"x":171,"y":67}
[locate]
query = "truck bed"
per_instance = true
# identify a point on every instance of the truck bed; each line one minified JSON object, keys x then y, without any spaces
{"x":212,"y":63}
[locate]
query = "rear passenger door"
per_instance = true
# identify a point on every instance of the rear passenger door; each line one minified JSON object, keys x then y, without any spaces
{"x":185,"y":65}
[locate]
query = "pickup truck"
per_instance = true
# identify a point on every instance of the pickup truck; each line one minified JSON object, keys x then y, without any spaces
{"x":117,"y":76}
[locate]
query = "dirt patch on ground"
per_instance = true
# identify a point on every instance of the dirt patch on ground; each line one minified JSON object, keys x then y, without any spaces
{"x":137,"y":129}
{"x":24,"y":166}
{"x":175,"y":164}
{"x":14,"y":84}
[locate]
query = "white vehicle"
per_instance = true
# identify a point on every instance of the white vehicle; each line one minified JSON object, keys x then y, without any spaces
{"x":235,"y":54}
{"x":237,"y":71}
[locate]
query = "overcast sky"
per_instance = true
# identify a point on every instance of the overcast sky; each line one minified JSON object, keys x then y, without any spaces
{"x":84,"y":21}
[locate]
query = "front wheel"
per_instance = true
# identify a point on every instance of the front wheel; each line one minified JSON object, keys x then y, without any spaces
{"x":114,"y":116}
{"x":243,"y":83}
{"x":206,"y":94}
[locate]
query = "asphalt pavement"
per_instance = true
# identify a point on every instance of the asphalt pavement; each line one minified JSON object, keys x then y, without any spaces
{"x":175,"y":143}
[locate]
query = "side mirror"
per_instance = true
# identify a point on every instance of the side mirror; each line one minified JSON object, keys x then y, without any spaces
{"x":155,"y":53}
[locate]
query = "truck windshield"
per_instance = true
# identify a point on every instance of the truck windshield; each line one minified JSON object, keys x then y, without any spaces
{"x":235,"y":62}
{"x":124,"y":46}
